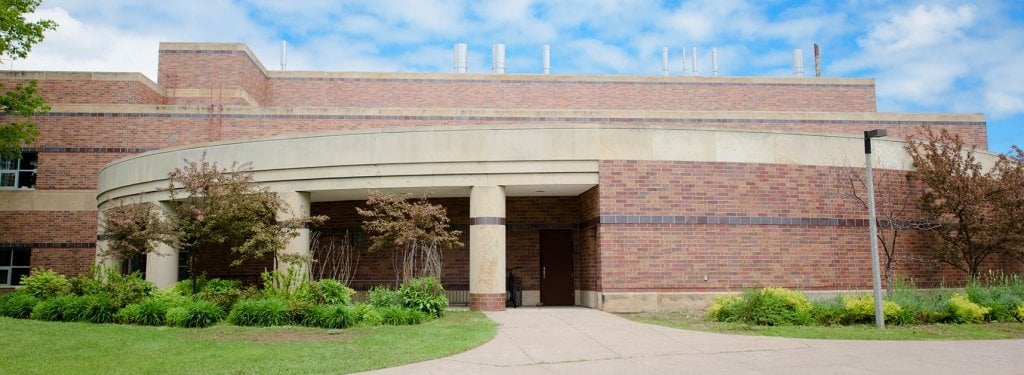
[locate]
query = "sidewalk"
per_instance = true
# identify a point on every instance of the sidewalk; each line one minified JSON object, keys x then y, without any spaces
{"x":584,"y":341}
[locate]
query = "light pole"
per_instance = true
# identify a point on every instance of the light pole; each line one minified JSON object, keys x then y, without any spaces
{"x":876,"y":279}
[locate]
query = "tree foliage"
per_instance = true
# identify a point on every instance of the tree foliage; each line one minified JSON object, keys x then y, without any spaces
{"x":976,"y":210}
{"x":215,"y":207}
{"x":132,"y":229}
{"x":19,"y":104}
{"x":415,"y":231}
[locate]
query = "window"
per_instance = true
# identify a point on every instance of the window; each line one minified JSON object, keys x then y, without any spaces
{"x":19,"y":173}
{"x":14,"y":263}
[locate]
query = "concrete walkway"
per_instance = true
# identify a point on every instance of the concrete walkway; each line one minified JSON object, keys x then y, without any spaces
{"x":584,"y":341}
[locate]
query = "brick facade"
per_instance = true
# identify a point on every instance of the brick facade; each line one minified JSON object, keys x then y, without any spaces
{"x":648,"y":226}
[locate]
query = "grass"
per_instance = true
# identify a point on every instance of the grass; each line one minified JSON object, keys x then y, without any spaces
{"x":692,"y":320}
{"x":37,"y":347}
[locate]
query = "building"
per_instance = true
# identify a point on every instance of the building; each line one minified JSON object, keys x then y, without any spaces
{"x":614,"y":192}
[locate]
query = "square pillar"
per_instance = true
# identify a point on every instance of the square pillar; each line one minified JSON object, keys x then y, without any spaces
{"x":162,"y":265}
{"x":296,"y":205}
{"x":487,"y":248}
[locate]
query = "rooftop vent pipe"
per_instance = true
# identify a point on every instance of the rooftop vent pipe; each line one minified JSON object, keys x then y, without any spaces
{"x":714,"y":62}
{"x":798,"y":62}
{"x":693,"y":59}
{"x":686,"y":66}
{"x":664,"y":61}
{"x":498,"y":58}
{"x":284,"y":55}
{"x":817,"y":61}
{"x":461,"y":58}
{"x":547,"y":59}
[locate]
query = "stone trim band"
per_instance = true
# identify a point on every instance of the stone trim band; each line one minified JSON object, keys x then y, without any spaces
{"x":487,"y":220}
{"x":732,"y":220}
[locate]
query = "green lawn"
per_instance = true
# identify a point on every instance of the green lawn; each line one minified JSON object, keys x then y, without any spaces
{"x":695,"y":321}
{"x":35,"y":347}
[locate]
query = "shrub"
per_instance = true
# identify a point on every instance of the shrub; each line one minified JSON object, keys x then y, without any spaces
{"x":150,"y":312}
{"x":336,"y":293}
{"x":919,"y":307}
{"x":367,"y":314}
{"x":298,"y":310}
{"x":197,"y":314}
{"x":1000,"y":293}
{"x":131,"y":288}
{"x":424,"y":294}
{"x":1020,"y":312}
{"x":829,"y":312}
{"x":776,"y":306}
{"x":96,"y":308}
{"x":222,"y":292}
{"x":383,"y":296}
{"x":171,"y":297}
{"x":861,"y":309}
{"x":263,"y":313}
{"x":49,"y":309}
{"x":333,"y":316}
{"x":962,"y":310}
{"x":45,"y":284}
{"x":725,"y":308}
{"x":287,"y":285}
{"x":397,"y":316}
{"x":17,"y":305}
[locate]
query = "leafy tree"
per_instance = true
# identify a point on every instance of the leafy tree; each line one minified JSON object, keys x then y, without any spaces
{"x":965,"y":201}
{"x":415,"y":232}
{"x":17,"y":36}
{"x":132,"y":229}
{"x":226,"y":207}
{"x":895,"y":207}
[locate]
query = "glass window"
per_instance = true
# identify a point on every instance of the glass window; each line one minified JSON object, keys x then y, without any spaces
{"x":19,"y":173}
{"x":14,"y":263}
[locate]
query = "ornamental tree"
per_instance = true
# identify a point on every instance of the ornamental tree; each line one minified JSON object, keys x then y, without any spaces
{"x":135,"y":229}
{"x":976,"y":212}
{"x":415,"y":232}
{"x":20,"y":103}
{"x":215,"y":207}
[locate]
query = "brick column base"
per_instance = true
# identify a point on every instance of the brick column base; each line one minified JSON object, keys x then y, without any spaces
{"x":487,"y":302}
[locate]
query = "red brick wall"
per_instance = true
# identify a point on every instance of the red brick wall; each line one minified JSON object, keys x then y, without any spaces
{"x":812,"y":254}
{"x":48,"y":226}
{"x":87,"y":91}
{"x":67,"y":261}
{"x":588,"y":253}
{"x":211,"y":70}
{"x":458,"y":92}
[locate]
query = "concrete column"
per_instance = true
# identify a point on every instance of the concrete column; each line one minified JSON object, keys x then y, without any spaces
{"x":297,"y":206}
{"x":101,"y":244}
{"x":487,"y":248}
{"x":162,"y":266}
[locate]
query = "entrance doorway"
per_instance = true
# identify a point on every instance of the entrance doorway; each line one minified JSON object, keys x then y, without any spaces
{"x":556,"y":284}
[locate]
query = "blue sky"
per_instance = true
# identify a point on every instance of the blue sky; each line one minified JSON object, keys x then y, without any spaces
{"x":937,"y":56}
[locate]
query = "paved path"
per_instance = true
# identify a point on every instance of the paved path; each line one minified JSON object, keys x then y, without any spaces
{"x":584,"y":341}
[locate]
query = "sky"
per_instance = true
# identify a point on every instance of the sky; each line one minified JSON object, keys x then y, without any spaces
{"x":925,"y":57}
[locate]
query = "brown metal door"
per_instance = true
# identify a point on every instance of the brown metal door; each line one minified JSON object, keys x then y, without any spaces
{"x":556,"y":287}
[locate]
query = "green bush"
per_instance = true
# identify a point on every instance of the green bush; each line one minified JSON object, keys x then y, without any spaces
{"x":96,"y":308}
{"x":398,"y":316}
{"x":332,"y":316}
{"x":262,"y":312}
{"x":45,"y":284}
{"x":149,"y":312}
{"x":17,"y":305}
{"x":1000,"y":293}
{"x":962,"y":310}
{"x":1020,"y":312}
{"x":298,"y":310}
{"x":861,"y":309}
{"x":49,"y":309}
{"x":368,"y":315}
{"x":776,"y":306}
{"x":919,"y":306}
{"x":197,"y":314}
{"x":65,"y":308}
{"x":829,"y":312}
{"x":336,"y":293}
{"x":383,"y":296}
{"x":424,"y":294}
{"x":726,"y":308}
{"x":222,"y":292}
